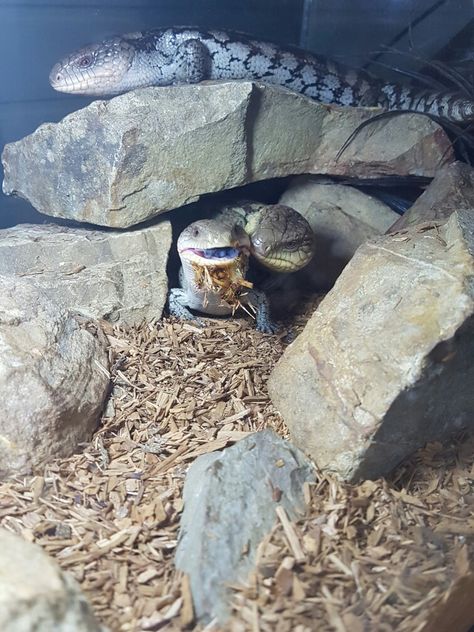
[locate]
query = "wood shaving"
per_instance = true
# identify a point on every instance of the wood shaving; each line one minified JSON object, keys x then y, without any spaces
{"x":383,"y":555}
{"x":226,"y":280}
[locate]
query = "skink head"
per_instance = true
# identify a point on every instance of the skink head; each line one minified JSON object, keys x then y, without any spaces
{"x":282,"y":239}
{"x":208,"y":241}
{"x":96,"y":70}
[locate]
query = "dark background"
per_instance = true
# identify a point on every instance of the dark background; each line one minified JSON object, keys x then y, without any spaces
{"x":35,"y":34}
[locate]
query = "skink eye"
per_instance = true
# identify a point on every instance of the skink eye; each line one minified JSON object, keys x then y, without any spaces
{"x":85,"y":61}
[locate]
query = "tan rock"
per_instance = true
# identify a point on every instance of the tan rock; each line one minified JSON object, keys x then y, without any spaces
{"x":119,"y":276}
{"x":35,"y":594}
{"x":53,"y":379}
{"x":452,"y":189}
{"x":119,"y":162}
{"x":385,"y":363}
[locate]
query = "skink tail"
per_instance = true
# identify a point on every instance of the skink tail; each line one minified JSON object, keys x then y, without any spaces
{"x":448,"y":105}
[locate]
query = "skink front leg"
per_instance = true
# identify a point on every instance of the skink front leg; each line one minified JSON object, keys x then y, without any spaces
{"x":177,"y":306}
{"x":263,"y":320}
{"x":194,"y":62}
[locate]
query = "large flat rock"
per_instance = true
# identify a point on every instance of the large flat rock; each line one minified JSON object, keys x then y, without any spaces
{"x":385,"y":363}
{"x":119,"y":162}
{"x":119,"y":276}
{"x":53,"y":379}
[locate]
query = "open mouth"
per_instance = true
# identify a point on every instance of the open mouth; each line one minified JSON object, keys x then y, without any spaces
{"x":214,"y":254}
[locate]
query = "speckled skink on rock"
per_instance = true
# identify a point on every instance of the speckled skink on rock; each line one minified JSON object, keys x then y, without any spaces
{"x":188,"y":55}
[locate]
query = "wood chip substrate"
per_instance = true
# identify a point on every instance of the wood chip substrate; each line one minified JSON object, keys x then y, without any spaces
{"x":385,"y":555}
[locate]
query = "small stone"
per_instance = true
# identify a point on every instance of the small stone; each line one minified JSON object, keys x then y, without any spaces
{"x":118,"y":276}
{"x":229,"y":506}
{"x":384,"y":365}
{"x":35,"y":594}
{"x":120,"y":162}
{"x":53,"y":379}
{"x":452,"y":189}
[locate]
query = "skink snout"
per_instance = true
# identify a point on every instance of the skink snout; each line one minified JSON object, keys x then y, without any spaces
{"x":56,"y":77}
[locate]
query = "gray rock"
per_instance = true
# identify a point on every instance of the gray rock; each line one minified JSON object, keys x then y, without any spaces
{"x":53,"y":379}
{"x":119,"y":162}
{"x":342,"y":218}
{"x":230,"y":499}
{"x":36,"y":595}
{"x":451,"y":190}
{"x":117,"y":276}
{"x":385,"y":363}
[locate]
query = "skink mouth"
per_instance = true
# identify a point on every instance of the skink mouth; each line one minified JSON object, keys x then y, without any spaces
{"x":219,"y":255}
{"x":85,"y":83}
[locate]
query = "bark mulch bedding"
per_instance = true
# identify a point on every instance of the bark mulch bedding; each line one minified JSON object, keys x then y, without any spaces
{"x":379,"y":556}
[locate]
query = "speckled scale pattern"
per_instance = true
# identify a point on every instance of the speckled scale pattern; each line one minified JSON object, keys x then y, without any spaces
{"x":188,"y":55}
{"x":191,"y":55}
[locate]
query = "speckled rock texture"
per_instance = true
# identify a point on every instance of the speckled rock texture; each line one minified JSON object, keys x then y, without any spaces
{"x":118,"y":276}
{"x":451,"y":190}
{"x":385,"y":363}
{"x":230,"y":499}
{"x":342,"y":218}
{"x":36,"y":595}
{"x":53,"y":379}
{"x":117,"y":163}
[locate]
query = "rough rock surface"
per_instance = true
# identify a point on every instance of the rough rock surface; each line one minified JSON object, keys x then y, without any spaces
{"x":117,"y":276}
{"x":230,"y":499}
{"x":36,"y":595}
{"x":452,"y":189}
{"x":119,"y":162}
{"x":53,"y":379}
{"x":385,"y":363}
{"x":342,"y":218}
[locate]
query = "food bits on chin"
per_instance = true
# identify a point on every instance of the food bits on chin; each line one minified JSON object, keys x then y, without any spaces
{"x":226,"y":281}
